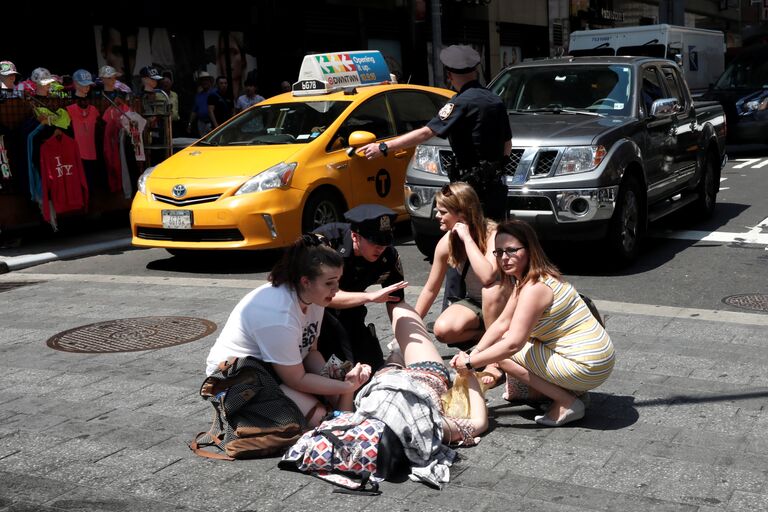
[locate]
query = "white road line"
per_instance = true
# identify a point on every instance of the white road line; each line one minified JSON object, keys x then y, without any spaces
{"x":747,"y":162}
{"x":412,"y":292}
{"x":760,"y":165}
{"x":755,"y":235}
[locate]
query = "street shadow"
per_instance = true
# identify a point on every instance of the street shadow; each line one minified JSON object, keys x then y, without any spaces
{"x":218,"y":262}
{"x":591,"y":258}
{"x":605,"y":412}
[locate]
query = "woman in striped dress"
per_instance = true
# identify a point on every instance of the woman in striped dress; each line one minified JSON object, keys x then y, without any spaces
{"x":546,"y":339}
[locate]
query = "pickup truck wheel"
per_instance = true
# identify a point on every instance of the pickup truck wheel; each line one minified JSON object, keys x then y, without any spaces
{"x":704,"y":206}
{"x":321,"y":208}
{"x":626,"y":225}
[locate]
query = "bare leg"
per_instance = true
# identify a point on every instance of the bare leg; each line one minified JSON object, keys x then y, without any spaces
{"x":495,"y":297}
{"x":562,"y":399}
{"x":306,"y":403}
{"x":412,"y":336}
{"x":457,"y":324}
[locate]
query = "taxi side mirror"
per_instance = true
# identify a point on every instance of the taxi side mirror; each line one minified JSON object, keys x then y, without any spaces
{"x":360,"y":138}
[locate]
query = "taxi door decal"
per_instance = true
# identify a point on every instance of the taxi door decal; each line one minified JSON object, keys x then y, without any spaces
{"x":382,"y":182}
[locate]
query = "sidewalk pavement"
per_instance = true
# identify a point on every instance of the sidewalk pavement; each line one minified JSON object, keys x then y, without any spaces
{"x":679,"y":426}
{"x":51,"y":248}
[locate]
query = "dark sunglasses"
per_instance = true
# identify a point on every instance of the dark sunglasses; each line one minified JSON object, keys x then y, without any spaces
{"x":509,"y":251}
{"x":446,"y":190}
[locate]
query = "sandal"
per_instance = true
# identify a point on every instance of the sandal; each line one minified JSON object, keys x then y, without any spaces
{"x":491,"y":376}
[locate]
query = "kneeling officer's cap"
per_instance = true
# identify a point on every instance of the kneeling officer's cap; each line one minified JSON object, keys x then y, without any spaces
{"x":373,"y":222}
{"x":460,"y":58}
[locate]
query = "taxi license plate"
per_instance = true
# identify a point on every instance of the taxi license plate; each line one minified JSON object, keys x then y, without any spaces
{"x":177,"y":219}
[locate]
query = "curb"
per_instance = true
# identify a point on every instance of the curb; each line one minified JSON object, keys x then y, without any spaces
{"x":30,"y":260}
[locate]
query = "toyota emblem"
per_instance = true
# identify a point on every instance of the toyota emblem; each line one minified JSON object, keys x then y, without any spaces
{"x":179,"y":191}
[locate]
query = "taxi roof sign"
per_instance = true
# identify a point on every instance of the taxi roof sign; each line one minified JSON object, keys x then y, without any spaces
{"x":324,"y":73}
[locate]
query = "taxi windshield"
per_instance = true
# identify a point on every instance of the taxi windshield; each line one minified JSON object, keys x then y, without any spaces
{"x":593,"y":89}
{"x":280,"y":123}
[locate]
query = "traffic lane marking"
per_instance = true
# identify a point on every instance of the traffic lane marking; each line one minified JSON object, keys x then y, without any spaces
{"x":756,"y":235}
{"x":604,"y":306}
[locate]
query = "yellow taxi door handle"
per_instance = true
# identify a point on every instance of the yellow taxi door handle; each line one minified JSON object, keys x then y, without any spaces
{"x":401,"y":154}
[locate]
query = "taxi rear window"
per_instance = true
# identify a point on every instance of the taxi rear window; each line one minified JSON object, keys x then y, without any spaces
{"x":280,"y":123}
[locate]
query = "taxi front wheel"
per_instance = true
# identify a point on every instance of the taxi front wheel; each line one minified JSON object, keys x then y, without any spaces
{"x":322,"y":208}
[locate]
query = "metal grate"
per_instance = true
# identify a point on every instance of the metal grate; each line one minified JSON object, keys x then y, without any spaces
{"x":544,"y":162}
{"x":514,"y":160}
{"x":12,"y":285}
{"x":446,"y":160}
{"x":751,"y":301}
{"x":132,"y":334}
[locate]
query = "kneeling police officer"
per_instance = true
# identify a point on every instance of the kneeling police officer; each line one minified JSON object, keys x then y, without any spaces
{"x":369,"y":258}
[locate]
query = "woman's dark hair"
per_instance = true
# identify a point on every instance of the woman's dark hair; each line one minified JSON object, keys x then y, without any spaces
{"x":538,"y":263}
{"x":302,"y":258}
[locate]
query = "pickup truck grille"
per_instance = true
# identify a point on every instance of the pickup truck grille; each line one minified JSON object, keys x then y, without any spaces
{"x":513,"y":162}
{"x":544,"y":163}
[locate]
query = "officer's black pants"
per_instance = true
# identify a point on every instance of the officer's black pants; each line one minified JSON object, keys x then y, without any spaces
{"x":493,"y":197}
{"x":345,"y":334}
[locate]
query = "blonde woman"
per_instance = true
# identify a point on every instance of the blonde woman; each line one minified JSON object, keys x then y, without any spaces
{"x":467,"y":246}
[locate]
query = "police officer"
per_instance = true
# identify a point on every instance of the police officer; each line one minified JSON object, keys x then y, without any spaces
{"x":476,"y":125}
{"x":369,"y":258}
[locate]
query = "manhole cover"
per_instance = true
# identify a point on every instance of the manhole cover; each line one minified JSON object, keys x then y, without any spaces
{"x":12,"y":285}
{"x":753,"y":301}
{"x":132,"y":334}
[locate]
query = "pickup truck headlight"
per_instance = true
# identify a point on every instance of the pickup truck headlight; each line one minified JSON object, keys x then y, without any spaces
{"x":580,"y":159}
{"x":142,"y":182}
{"x":427,"y":158}
{"x":275,"y":177}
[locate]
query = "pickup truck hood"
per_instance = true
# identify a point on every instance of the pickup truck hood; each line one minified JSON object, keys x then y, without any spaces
{"x":201,"y":162}
{"x":546,"y":129}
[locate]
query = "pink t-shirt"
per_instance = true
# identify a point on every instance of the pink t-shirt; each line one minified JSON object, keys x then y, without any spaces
{"x":84,"y":125}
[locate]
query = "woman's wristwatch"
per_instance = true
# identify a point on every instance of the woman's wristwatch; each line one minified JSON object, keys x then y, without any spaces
{"x":468,"y":364}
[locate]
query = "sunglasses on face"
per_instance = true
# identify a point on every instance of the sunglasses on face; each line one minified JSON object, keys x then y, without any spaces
{"x":508,"y":251}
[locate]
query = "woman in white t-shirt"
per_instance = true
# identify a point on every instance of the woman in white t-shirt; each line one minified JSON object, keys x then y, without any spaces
{"x":279,"y":322}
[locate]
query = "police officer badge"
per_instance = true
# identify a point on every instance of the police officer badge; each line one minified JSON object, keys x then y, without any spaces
{"x":446,"y":111}
{"x":384,"y":224}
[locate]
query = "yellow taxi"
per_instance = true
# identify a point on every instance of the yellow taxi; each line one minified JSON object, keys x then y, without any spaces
{"x":288,"y":164}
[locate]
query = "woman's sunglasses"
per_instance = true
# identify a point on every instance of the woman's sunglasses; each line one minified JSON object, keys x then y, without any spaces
{"x":509,"y":251}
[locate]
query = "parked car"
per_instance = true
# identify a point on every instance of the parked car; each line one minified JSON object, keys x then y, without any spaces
{"x":601,"y":147}
{"x":742,"y":89}
{"x":285,"y":165}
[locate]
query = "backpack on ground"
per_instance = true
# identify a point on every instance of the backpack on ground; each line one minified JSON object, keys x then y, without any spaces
{"x":252,"y":417}
{"x":351,"y":452}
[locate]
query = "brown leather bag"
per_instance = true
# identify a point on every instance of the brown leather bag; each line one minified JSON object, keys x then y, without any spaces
{"x":252,"y":417}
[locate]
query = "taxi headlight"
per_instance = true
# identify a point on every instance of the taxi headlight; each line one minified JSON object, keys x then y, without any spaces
{"x":427,"y":158}
{"x":580,"y":159}
{"x":142,"y":182}
{"x":275,"y":177}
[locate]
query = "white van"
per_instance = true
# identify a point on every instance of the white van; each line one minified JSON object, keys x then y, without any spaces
{"x":699,"y":52}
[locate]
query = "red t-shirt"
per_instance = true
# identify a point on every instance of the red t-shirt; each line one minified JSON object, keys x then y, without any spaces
{"x":84,"y":125}
{"x":62,"y":174}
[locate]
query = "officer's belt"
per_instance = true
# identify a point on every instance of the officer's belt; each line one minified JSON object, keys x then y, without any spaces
{"x":485,"y":171}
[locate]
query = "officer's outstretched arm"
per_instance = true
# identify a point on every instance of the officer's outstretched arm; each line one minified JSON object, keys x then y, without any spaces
{"x":404,"y":141}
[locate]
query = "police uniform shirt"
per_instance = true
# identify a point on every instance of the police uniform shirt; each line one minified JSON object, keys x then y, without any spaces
{"x":360,"y":273}
{"x":476,"y":124}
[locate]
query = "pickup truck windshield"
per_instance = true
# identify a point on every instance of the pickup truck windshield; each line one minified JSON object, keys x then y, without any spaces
{"x":600,"y":89}
{"x":282,"y":123}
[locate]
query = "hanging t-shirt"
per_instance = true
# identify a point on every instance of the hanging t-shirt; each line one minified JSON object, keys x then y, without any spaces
{"x":134,"y":125}
{"x":63,"y":178}
{"x":5,"y":163}
{"x":112,"y":127}
{"x":269,"y":325}
{"x":84,"y":125}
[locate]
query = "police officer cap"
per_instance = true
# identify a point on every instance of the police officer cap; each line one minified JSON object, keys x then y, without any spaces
{"x":373,"y":222}
{"x":460,"y":58}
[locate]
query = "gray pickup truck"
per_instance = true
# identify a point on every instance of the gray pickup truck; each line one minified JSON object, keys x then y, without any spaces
{"x":601,"y":147}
